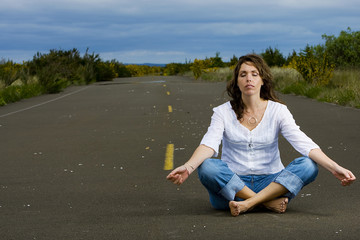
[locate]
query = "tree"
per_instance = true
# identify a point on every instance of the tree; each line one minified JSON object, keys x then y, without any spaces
{"x":233,"y":61}
{"x":216,"y":61}
{"x":344,"y":50}
{"x":273,"y":57}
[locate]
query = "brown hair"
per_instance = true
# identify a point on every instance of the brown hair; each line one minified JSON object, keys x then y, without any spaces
{"x":266,"y":91}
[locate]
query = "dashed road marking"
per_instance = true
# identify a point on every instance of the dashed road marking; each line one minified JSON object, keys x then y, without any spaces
{"x":170,"y":109}
{"x":169,"y":157}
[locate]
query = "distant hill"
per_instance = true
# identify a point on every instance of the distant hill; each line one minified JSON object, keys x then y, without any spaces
{"x":147,"y":64}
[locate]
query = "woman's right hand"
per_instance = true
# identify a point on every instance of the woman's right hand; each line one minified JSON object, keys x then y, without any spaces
{"x":178,"y":175}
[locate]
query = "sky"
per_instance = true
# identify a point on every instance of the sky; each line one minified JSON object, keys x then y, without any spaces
{"x":167,"y":31}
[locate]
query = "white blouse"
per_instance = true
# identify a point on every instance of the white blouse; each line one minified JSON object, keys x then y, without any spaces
{"x":255,"y":152}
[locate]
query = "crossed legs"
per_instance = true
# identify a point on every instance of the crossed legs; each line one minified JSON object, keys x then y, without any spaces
{"x":267,"y":197}
{"x":274,"y":193}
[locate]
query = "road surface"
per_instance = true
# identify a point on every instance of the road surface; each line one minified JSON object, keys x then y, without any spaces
{"x":88,"y":163}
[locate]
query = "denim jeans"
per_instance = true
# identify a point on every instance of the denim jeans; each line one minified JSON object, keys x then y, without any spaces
{"x":222,"y":184}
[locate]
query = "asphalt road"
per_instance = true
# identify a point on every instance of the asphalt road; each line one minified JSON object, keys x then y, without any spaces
{"x":88,"y":164}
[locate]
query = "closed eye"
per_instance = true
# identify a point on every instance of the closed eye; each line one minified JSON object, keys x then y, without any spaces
{"x":253,"y":73}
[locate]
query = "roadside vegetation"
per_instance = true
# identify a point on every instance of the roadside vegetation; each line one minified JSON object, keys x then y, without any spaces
{"x":327,"y":72}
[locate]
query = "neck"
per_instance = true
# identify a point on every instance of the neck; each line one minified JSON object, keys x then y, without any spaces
{"x":253,"y":103}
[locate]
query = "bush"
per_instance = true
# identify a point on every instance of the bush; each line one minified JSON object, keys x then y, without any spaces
{"x":273,"y":57}
{"x":57,"y":69}
{"x":16,"y":93}
{"x":343,"y":88}
{"x":197,"y":67}
{"x":120,"y":69}
{"x":313,"y":64}
{"x":143,"y":70}
{"x":233,"y":61}
{"x":105,"y":71}
{"x":344,"y":50}
{"x":9,"y":72}
{"x":175,"y":69}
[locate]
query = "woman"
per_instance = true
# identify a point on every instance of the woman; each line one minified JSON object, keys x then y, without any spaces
{"x":250,"y":171}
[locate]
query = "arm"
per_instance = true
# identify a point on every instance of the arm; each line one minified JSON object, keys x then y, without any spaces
{"x":307,"y":147}
{"x":180,"y":174}
{"x":345,"y":176}
{"x":208,"y":147}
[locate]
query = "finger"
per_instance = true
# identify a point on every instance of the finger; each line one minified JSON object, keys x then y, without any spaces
{"x":174,"y":172}
{"x":178,"y":181}
{"x":346,"y":182}
{"x":347,"y":175}
{"x":174,"y":178}
{"x":170,"y":176}
{"x":352,"y":176}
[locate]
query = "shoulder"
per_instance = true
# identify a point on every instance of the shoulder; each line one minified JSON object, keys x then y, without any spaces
{"x":225,"y":107}
{"x":277,"y":107}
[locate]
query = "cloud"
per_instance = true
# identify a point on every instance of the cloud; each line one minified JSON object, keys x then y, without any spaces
{"x":145,"y":56}
{"x":170,"y":29}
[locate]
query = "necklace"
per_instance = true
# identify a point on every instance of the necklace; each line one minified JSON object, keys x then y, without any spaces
{"x":252,"y":121}
{"x":251,"y":118}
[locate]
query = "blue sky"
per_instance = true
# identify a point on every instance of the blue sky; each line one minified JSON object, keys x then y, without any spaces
{"x":142,"y":31}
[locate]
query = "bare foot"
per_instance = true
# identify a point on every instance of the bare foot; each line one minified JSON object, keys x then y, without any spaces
{"x":237,"y":207}
{"x":277,"y":205}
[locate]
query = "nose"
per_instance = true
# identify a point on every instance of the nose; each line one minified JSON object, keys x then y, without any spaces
{"x":248,"y":77}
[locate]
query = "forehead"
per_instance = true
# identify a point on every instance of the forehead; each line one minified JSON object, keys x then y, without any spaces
{"x":248,"y":67}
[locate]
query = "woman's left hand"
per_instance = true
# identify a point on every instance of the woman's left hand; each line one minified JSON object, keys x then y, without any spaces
{"x":345,"y":176}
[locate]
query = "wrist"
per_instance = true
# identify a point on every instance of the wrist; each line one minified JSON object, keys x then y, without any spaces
{"x":189,"y":168}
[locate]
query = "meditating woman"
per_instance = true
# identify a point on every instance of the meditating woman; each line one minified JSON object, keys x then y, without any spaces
{"x":250,"y":171}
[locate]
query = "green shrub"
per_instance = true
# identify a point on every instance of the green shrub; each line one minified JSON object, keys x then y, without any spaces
{"x":105,"y":71}
{"x":344,"y":50}
{"x":16,"y":93}
{"x":56,"y":69}
{"x":343,"y":87}
{"x":197,"y":67}
{"x":273,"y":57}
{"x":176,"y":69}
{"x":313,"y":64}
{"x":120,"y":69}
{"x":9,"y":72}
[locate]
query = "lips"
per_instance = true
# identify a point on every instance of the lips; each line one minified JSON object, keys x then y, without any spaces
{"x":249,"y":86}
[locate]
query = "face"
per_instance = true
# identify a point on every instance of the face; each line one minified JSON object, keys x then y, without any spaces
{"x":249,"y":80}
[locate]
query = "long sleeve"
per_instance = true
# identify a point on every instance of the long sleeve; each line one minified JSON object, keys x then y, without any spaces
{"x":214,"y":134}
{"x":291,"y":131}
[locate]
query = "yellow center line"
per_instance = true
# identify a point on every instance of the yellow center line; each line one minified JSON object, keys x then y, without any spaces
{"x":168,"y":93}
{"x":170,"y":108}
{"x":169,"y":157}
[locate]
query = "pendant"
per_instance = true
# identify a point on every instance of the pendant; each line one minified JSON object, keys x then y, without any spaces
{"x":252,"y":120}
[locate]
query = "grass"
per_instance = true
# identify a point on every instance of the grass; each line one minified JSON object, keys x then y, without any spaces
{"x":343,"y":88}
{"x":217,"y":74}
{"x":17,"y":92}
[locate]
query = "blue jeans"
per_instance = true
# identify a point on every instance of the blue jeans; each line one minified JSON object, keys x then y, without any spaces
{"x":222,"y":184}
